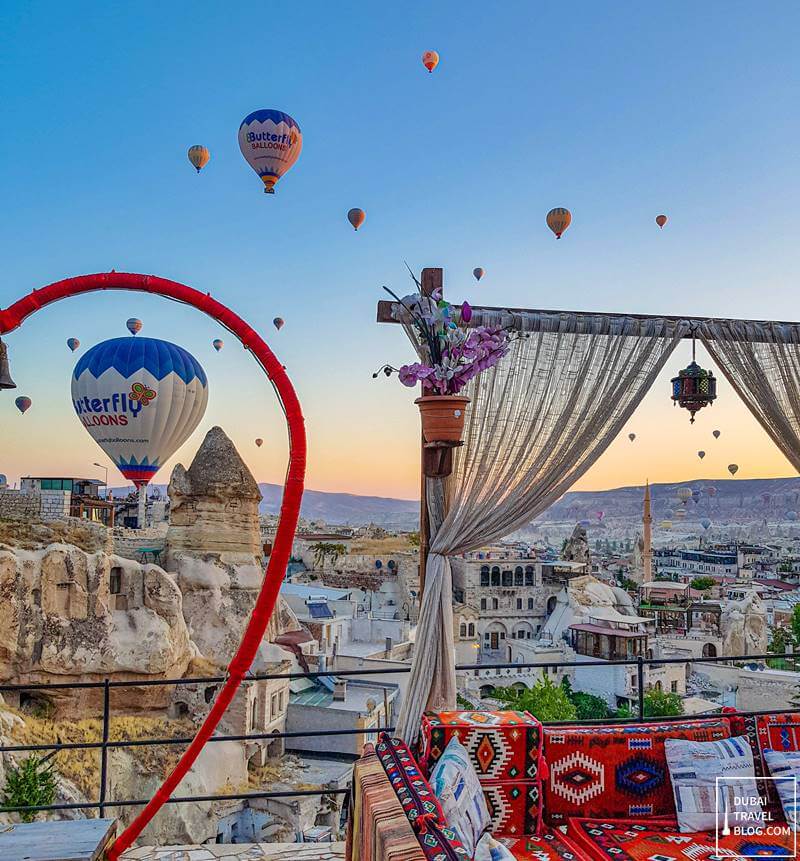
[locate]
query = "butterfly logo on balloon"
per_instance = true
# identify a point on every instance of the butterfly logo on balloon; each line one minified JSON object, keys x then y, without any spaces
{"x":140,"y":392}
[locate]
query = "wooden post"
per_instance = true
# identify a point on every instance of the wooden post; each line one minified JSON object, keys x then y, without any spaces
{"x":431,"y":280}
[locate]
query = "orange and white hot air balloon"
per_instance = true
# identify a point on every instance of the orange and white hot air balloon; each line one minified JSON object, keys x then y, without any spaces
{"x":430,"y":59}
{"x":661,"y":220}
{"x":356,"y":217}
{"x":558,"y":220}
{"x":198,"y":156}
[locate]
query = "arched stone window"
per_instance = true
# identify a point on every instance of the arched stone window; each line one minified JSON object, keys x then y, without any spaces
{"x":462,"y":630}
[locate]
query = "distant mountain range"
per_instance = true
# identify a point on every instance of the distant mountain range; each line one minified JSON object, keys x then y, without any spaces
{"x":333,"y":508}
{"x":732,"y":498}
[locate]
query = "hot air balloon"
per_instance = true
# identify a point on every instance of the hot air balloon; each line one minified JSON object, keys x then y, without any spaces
{"x":733,"y":468}
{"x":139,"y":399}
{"x":716,"y":434}
{"x":684,"y":493}
{"x":666,"y":524}
{"x":270,"y":142}
{"x":661,"y":220}
{"x":696,"y":494}
{"x":278,"y":323}
{"x":430,"y":59}
{"x":478,"y":272}
{"x":23,"y":404}
{"x":198,"y":156}
{"x":73,"y":344}
{"x":701,"y":454}
{"x":558,"y":220}
{"x":711,"y":491}
{"x":584,"y":523}
{"x":218,"y":344}
{"x":680,"y":513}
{"x":631,"y":436}
{"x":356,"y":217}
{"x":259,"y":442}
{"x":3,"y":481}
{"x":134,"y":325}
{"x":705,"y":523}
{"x":791,"y":515}
{"x":669,"y":513}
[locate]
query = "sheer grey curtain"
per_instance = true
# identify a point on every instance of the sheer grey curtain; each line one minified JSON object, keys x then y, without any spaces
{"x":536,"y":422}
{"x":761,"y":361}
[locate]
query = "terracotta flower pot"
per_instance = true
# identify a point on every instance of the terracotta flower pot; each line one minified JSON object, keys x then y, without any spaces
{"x":442,"y":417}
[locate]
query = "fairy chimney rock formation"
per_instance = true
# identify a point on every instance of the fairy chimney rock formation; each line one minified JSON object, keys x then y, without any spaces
{"x":214,"y":503}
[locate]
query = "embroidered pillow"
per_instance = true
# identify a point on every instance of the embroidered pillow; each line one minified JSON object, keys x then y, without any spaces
{"x":489,"y":849}
{"x":786,"y":764}
{"x":714,"y":784}
{"x":459,"y":791}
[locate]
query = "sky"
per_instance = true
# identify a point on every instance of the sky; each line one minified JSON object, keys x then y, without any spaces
{"x":618,"y":111}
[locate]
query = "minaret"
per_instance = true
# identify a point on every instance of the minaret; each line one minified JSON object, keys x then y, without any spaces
{"x":647,"y":520}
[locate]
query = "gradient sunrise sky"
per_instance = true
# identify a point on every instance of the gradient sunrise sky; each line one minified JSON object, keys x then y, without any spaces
{"x":618,"y":111}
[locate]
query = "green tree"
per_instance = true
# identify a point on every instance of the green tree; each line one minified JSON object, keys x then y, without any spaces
{"x":413,"y":539}
{"x":587,"y":706}
{"x":703,"y":584}
{"x":778,"y":643}
{"x":32,"y":783}
{"x":662,"y":703}
{"x":323,"y":550}
{"x":796,"y":624}
{"x":545,"y":701}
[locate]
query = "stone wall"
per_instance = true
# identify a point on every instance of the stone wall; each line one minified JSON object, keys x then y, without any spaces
{"x":43,"y":505}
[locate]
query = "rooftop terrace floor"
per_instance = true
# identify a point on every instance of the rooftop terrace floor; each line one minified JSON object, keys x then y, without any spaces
{"x":239,"y":852}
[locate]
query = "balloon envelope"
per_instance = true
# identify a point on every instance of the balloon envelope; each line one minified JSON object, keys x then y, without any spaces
{"x":716,"y":434}
{"x":631,"y":436}
{"x":558,"y":220}
{"x":73,"y":344}
{"x":791,"y":515}
{"x":270,"y":142}
{"x":711,"y":491}
{"x":134,"y":325}
{"x":684,"y":493}
{"x":478,"y":272}
{"x":661,"y":220}
{"x":430,"y":59}
{"x":198,"y":156}
{"x":259,"y":442}
{"x":733,"y":468}
{"x":278,"y":323}
{"x":356,"y":217}
{"x":701,"y":454}
{"x":139,"y":399}
{"x":23,"y":404}
{"x":218,"y":344}
{"x":705,"y":523}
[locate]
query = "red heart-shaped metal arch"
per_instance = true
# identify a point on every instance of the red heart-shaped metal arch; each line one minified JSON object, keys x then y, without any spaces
{"x":13,"y":316}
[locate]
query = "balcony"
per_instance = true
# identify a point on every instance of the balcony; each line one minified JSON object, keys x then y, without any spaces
{"x":240,"y":852}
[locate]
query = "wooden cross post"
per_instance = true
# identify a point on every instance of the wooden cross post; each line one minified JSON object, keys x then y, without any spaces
{"x":431,"y":280}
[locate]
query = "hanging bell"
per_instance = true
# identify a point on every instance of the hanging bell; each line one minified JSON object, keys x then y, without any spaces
{"x":5,"y":372}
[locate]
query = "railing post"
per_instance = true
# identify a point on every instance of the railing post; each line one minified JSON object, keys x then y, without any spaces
{"x":640,"y":685}
{"x":104,"y":749}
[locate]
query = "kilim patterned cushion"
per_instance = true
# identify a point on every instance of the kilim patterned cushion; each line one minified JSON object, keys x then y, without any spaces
{"x":515,"y":807}
{"x":778,"y":732}
{"x":438,"y":841}
{"x":550,"y":846}
{"x":503,"y":745}
{"x":615,"y":771}
{"x":630,"y":840}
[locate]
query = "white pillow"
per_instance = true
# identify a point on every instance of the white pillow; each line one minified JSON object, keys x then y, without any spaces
{"x":489,"y":849}
{"x":786,"y":764}
{"x":458,"y":789}
{"x":703,"y":803}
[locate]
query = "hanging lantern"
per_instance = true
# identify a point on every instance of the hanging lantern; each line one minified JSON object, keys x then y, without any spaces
{"x":694,"y":387}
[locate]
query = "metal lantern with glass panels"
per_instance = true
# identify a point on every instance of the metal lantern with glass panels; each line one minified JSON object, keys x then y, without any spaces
{"x":694,"y":387}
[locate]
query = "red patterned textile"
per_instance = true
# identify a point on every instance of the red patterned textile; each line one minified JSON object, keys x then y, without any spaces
{"x":615,"y":771}
{"x":421,"y":806}
{"x":778,"y":732}
{"x":550,"y":846}
{"x":503,"y":745}
{"x":632,"y":840}
{"x":514,"y":806}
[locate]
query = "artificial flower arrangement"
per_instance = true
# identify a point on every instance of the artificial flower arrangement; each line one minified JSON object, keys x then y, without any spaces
{"x":452,"y":353}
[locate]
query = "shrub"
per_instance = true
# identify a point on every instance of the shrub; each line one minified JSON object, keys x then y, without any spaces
{"x":32,"y":783}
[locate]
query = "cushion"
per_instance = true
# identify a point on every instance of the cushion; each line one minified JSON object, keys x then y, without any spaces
{"x":489,"y":849}
{"x":623,"y":840}
{"x":515,"y":807}
{"x":615,"y":770}
{"x":550,"y":846}
{"x":418,"y":801}
{"x":459,"y":791}
{"x":714,"y":784}
{"x":503,"y":745}
{"x":785,"y":767}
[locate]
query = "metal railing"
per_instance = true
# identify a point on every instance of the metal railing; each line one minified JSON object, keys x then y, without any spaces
{"x":106,"y":744}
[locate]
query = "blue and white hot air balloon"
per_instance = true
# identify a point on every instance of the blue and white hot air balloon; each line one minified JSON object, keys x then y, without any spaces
{"x":3,"y":482}
{"x":270,"y":142}
{"x":139,"y":399}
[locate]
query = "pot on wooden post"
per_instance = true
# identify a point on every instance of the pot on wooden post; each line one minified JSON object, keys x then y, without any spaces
{"x":442,"y":428}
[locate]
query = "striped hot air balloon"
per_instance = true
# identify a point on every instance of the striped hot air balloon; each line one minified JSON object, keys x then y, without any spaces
{"x":73,"y":344}
{"x":134,"y":325}
{"x":558,"y":220}
{"x":430,"y":59}
{"x":198,"y":156}
{"x":217,"y":344}
{"x":139,"y":399}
